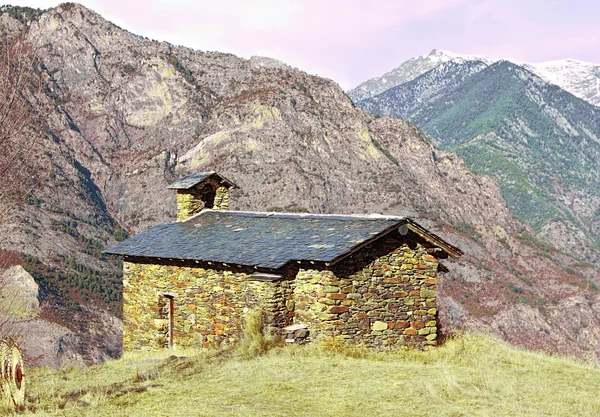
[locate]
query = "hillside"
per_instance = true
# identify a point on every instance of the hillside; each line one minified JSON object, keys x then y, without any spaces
{"x":469,"y":376}
{"x":539,"y":142}
{"x":582,"y":79}
{"x":131,"y":115}
{"x":408,"y":71}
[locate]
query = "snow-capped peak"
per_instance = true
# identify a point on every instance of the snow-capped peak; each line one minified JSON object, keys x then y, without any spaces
{"x":445,"y":56}
{"x":581,"y":79}
{"x":408,"y":71}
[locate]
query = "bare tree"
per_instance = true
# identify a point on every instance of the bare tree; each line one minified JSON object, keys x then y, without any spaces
{"x":21,"y":119}
{"x":22,"y":122}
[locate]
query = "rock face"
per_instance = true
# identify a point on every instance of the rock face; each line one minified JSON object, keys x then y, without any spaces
{"x":131,"y":115}
{"x":46,"y":342}
{"x":18,"y":292}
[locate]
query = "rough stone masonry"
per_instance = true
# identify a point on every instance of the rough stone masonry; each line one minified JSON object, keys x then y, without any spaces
{"x":383,"y":296}
{"x":369,"y":280}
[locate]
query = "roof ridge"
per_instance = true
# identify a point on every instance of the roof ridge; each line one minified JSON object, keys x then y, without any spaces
{"x":286,"y":215}
{"x":268,"y":240}
{"x":191,"y":180}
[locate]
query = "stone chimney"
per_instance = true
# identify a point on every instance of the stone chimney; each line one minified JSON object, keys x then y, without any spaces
{"x":199,"y":191}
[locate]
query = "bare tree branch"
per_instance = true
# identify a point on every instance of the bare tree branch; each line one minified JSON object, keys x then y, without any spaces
{"x":22,"y":126}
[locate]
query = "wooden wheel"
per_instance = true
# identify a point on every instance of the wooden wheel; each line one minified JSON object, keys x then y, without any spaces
{"x":17,"y":380}
{"x":12,"y":375}
{"x":5,"y":398}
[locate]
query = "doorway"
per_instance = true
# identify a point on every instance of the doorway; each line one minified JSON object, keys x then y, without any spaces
{"x":166,"y":311}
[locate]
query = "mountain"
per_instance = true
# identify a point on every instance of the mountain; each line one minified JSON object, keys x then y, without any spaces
{"x":582,"y":79}
{"x":408,"y":71}
{"x":130,"y":115}
{"x":538,"y":141}
{"x":405,"y":99}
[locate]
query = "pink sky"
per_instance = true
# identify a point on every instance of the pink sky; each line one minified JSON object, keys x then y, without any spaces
{"x":351,"y":41}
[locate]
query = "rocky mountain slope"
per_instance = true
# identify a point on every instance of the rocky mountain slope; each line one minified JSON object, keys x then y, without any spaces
{"x":582,"y":79}
{"x":408,"y":71}
{"x":538,"y":141}
{"x":131,"y":115}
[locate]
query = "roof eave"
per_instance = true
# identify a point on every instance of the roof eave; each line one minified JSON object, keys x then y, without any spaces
{"x":451,"y":250}
{"x":174,"y":186}
{"x":222,"y":179}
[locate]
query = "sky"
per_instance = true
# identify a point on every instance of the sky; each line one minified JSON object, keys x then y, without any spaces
{"x":351,"y":41}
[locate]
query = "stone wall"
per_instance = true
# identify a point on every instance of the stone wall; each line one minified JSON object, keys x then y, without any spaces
{"x":221,"y":199}
{"x":209,"y":305}
{"x":381,"y":296}
{"x":188,"y":204}
{"x":385,"y":295}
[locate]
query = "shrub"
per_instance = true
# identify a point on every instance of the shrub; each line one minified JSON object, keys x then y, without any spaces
{"x":256,"y":337}
{"x":533,"y":241}
{"x":466,"y":228}
{"x":385,"y":151}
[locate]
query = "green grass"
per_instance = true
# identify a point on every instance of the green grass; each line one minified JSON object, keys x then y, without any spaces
{"x":470,"y":375}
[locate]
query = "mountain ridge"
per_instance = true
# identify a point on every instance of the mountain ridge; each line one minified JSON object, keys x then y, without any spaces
{"x":131,"y":115}
{"x":580,"y":78}
{"x":496,"y":112}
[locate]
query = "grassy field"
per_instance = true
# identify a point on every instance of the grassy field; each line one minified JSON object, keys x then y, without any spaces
{"x":470,"y":375}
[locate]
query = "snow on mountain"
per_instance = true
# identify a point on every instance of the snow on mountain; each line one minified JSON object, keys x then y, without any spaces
{"x":403,"y":100}
{"x":408,"y":71}
{"x":445,"y":56}
{"x":582,"y":79}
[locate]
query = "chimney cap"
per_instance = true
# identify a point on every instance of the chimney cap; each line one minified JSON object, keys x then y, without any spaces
{"x":192,"y":180}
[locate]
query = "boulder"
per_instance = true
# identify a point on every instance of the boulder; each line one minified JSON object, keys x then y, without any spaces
{"x":18,"y":293}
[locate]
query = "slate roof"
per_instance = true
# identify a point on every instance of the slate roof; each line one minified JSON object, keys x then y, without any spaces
{"x":189,"y":181}
{"x":267,"y":240}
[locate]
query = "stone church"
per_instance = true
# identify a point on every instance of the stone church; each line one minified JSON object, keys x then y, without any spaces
{"x":368,"y":279}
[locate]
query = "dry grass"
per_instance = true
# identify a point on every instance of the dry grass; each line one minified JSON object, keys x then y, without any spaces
{"x":256,"y":339}
{"x":471,"y":375}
